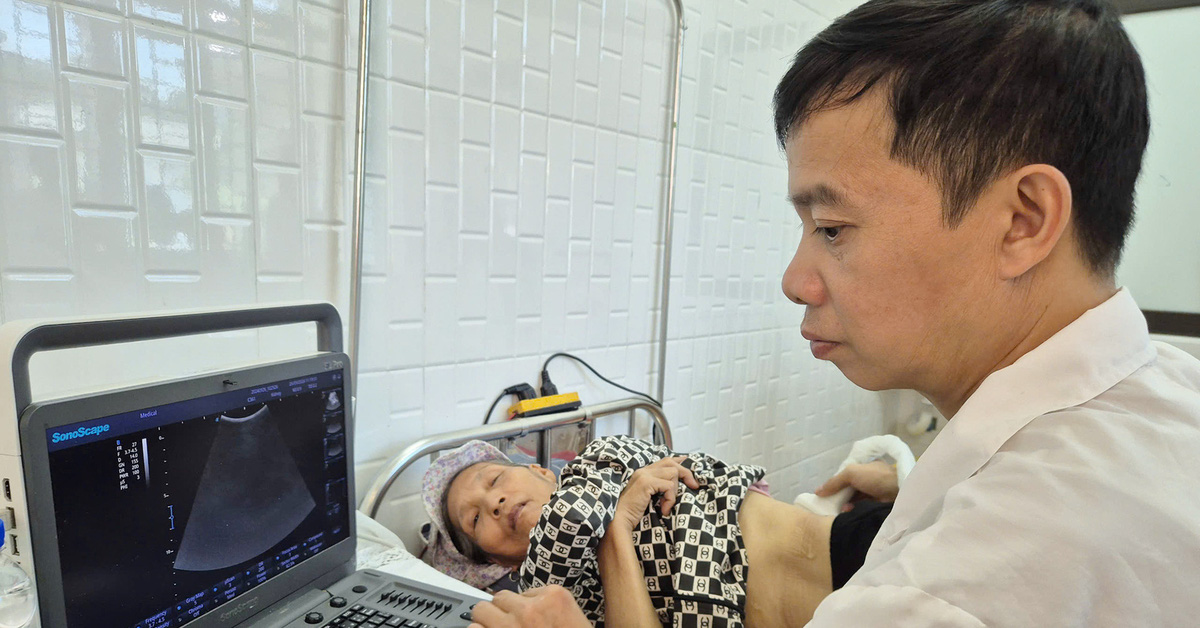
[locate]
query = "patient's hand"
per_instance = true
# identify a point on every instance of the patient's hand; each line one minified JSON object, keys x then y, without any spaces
{"x":661,"y":477}
{"x":876,"y":480}
{"x":544,"y":607}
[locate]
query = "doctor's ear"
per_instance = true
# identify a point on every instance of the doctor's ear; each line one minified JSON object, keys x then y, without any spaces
{"x":1037,"y":210}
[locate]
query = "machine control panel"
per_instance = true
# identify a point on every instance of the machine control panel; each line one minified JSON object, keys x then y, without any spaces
{"x":371,"y":599}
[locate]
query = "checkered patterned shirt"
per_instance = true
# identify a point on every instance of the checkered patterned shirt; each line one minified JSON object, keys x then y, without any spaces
{"x":694,"y":560}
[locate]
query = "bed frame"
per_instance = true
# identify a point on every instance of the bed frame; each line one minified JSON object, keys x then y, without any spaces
{"x":583,"y":417}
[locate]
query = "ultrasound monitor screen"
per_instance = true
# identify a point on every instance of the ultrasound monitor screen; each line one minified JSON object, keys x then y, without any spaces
{"x":165,"y":513}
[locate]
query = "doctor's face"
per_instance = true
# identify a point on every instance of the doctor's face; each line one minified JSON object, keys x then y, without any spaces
{"x":894,"y":297}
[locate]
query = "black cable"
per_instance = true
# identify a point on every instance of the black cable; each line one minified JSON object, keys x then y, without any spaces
{"x":489,"y":412}
{"x":597,"y":374}
{"x":548,"y":389}
{"x":522,"y":391}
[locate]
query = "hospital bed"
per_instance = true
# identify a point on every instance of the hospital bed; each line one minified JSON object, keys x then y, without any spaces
{"x":543,"y":439}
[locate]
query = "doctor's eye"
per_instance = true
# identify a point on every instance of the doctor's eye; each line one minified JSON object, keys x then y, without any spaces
{"x":830,"y":233}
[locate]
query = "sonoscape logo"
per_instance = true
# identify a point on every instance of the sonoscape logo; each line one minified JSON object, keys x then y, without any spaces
{"x":240,"y":608}
{"x":59,"y":437}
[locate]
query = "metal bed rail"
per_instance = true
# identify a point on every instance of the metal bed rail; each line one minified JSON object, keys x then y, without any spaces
{"x":517,"y":428}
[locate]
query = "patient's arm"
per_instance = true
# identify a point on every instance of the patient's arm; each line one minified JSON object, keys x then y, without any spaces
{"x":626,"y":599}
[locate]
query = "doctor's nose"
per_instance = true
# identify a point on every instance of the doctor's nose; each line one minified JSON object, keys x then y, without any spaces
{"x":801,"y":283}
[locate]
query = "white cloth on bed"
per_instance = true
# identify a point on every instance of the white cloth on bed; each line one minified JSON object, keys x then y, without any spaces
{"x":377,"y":545}
{"x":380,"y":549}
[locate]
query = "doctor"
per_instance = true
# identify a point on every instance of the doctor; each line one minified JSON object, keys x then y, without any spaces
{"x":964,"y":173}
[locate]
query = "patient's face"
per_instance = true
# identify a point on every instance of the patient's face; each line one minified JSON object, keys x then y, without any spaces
{"x":497,"y":505}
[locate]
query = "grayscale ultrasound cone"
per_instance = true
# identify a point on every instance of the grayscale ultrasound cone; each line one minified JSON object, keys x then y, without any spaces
{"x":251,"y":496}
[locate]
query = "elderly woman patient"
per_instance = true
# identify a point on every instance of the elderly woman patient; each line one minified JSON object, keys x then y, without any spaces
{"x":643,"y":537}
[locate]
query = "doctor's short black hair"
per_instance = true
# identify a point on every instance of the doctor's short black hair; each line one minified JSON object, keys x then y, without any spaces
{"x":979,"y":88}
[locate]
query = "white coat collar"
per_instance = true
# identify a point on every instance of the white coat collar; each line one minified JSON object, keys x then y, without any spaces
{"x":1092,"y":354}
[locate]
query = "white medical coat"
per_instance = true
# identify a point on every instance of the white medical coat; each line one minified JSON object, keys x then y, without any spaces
{"x":1065,"y":492}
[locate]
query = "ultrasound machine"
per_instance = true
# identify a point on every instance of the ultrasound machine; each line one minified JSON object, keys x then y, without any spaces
{"x":224,"y":499}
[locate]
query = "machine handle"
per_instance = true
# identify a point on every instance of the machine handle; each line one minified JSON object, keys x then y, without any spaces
{"x":69,"y":335}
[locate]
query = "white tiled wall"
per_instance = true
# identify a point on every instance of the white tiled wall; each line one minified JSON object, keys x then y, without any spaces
{"x":524,"y":144}
{"x":173,"y":153}
{"x":165,"y":154}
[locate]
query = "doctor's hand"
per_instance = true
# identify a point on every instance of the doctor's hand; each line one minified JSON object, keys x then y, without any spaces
{"x":662,"y":477}
{"x":875,"y":480}
{"x":545,"y":607}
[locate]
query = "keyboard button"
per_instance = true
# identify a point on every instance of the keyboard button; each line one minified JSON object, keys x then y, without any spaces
{"x":337,"y":602}
{"x":357,"y":607}
{"x":466,"y":615}
{"x":394,"y":622}
{"x":314,"y":618}
{"x":358,"y":588}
